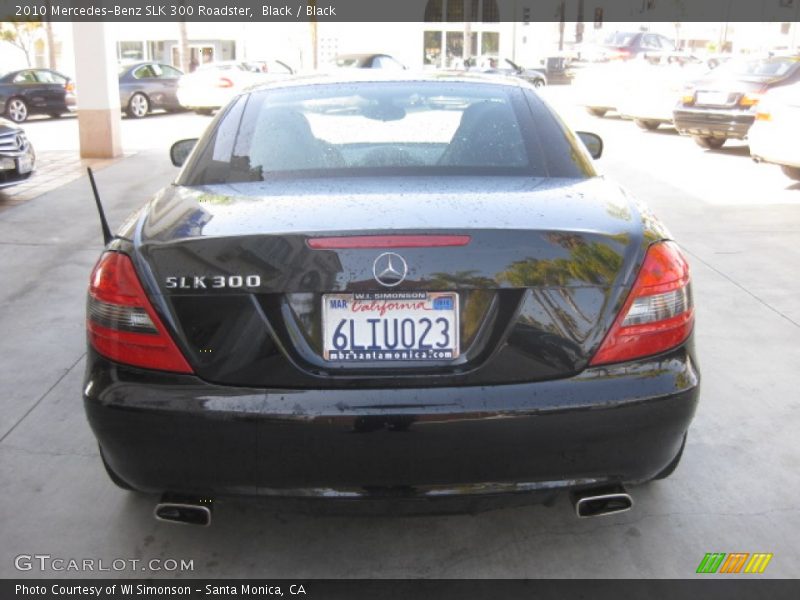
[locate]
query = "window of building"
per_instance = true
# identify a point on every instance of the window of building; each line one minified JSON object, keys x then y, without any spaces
{"x":444,"y":46}
{"x":130,"y":51}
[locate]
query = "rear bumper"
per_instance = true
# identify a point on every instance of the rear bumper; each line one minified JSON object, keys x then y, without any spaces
{"x":710,"y":123}
{"x":774,"y":144}
{"x":163,"y":432}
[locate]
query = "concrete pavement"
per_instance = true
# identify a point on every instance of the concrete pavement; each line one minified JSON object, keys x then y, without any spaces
{"x":736,"y":489}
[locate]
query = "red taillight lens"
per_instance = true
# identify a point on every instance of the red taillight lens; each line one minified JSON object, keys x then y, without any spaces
{"x":224,"y":82}
{"x":122,"y":324}
{"x":658,"y":313}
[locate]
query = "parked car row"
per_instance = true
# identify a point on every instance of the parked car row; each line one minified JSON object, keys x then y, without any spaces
{"x":143,"y":87}
{"x":148,"y":86}
{"x":754,"y":99}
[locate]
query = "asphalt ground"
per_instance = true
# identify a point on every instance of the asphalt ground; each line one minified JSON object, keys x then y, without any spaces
{"x":735,"y":490}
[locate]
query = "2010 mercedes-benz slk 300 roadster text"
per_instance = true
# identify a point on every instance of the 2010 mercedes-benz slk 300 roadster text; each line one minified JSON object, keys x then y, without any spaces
{"x":415,"y":289}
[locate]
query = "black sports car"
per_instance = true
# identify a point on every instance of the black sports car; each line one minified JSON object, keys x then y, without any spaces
{"x":35,"y":91}
{"x":367,"y":61}
{"x":17,"y":158}
{"x":536,"y":77}
{"x":408,"y":288}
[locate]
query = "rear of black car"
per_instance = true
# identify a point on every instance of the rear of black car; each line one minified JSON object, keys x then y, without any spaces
{"x":722,"y":105}
{"x":463,"y":318}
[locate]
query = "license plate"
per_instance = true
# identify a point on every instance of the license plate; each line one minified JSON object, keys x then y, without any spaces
{"x":390,"y":326}
{"x":24,"y":164}
{"x":712,"y":98}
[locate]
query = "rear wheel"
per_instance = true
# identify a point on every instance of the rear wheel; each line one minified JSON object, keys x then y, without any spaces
{"x":138,"y":106}
{"x":597,"y":112}
{"x":712,"y":143}
{"x":538,"y":83}
{"x":647,"y":124}
{"x":792,"y":172}
{"x":17,"y":110}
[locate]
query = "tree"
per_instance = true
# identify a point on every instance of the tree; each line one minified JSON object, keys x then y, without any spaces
{"x":21,"y":34}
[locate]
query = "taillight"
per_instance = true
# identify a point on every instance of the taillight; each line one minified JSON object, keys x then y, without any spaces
{"x":619,"y":54}
{"x":224,"y":82}
{"x":122,"y":324}
{"x":657,"y":315}
{"x":763,"y":116}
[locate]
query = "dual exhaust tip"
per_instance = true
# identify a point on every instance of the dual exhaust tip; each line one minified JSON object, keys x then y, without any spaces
{"x":592,"y":502}
{"x":596,"y":502}
{"x":185,"y":510}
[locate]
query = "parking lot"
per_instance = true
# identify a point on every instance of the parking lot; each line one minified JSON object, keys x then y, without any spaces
{"x":735,"y":491}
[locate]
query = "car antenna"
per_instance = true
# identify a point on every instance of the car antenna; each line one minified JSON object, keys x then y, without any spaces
{"x":107,"y":237}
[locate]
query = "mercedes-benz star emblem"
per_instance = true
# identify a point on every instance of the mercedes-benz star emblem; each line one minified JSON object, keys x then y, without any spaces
{"x":389,"y":269}
{"x":20,"y":140}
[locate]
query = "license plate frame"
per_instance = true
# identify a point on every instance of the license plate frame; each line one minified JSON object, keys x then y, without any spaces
{"x":365,"y":342}
{"x":712,"y":98}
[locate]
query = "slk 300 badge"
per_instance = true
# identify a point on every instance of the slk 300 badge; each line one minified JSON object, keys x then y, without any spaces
{"x":203,"y":282}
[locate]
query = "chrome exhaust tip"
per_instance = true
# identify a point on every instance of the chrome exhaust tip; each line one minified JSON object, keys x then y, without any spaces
{"x":597,"y":502}
{"x":187,"y":511}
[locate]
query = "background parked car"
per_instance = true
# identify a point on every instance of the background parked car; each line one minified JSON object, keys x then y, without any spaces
{"x":147,"y":86}
{"x":773,"y":136}
{"x":603,"y":87}
{"x":536,"y":77}
{"x":212,"y":85}
{"x":367,"y":61}
{"x":722,"y":105}
{"x":35,"y":91}
{"x":657,"y":89}
{"x":17,"y":158}
{"x":623,"y":45}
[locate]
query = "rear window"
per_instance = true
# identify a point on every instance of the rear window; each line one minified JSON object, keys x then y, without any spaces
{"x":387,"y":128}
{"x":619,"y":39}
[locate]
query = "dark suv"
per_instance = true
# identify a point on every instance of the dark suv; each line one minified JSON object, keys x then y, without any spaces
{"x":722,"y":105}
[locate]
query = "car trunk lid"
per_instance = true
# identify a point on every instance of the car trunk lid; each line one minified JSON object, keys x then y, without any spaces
{"x":236,"y":270}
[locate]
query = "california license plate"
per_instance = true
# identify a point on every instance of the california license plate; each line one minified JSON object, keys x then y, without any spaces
{"x":390,"y":326}
{"x":24,"y":164}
